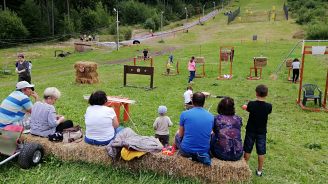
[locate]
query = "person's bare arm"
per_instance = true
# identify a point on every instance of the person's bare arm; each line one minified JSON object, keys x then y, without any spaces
{"x":181,"y":131}
{"x":115,"y":122}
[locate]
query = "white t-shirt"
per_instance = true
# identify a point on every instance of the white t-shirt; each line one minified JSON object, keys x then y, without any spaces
{"x":187,"y":96}
{"x":99,"y":122}
{"x":296,"y":65}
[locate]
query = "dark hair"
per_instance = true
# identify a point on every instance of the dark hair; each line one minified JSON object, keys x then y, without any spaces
{"x":261,"y":90}
{"x":226,"y":106}
{"x":198,"y":99}
{"x":296,"y":59}
{"x":189,"y":87}
{"x":192,"y":58}
{"x":98,"y":98}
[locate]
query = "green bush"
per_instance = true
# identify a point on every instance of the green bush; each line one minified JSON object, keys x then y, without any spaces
{"x":317,"y":31}
{"x":132,"y":12}
{"x":11,"y":26}
{"x":150,"y":24}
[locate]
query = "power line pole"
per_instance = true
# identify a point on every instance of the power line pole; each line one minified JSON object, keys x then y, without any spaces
{"x":117,"y":33}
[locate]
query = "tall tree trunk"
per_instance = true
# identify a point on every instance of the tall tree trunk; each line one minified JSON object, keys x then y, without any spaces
{"x":67,"y":1}
{"x":52,"y":17}
{"x":4,"y":4}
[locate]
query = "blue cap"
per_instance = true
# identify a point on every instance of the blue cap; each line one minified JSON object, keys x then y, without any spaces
{"x":162,"y":109}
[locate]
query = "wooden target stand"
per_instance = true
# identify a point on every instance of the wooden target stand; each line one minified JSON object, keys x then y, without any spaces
{"x":308,"y":50}
{"x":259,"y":63}
{"x":226,"y":54}
{"x":140,"y":70}
{"x":200,"y":61}
{"x":141,"y":59}
{"x":170,"y":73}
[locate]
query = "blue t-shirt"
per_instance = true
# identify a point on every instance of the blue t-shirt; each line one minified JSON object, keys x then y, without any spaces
{"x":14,"y":107}
{"x":197,"y":123}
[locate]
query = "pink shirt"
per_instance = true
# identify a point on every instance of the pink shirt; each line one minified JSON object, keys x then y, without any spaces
{"x":192,"y":65}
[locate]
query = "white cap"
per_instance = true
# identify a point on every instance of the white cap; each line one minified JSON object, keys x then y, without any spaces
{"x":24,"y":84}
{"x":162,"y":109}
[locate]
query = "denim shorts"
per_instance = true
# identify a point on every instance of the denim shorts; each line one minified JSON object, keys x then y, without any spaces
{"x":102,"y":143}
{"x":258,"y":139}
{"x":204,"y":158}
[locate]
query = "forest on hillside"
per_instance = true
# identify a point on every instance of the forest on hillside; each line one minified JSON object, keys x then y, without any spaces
{"x":36,"y":20}
{"x":313,"y":14}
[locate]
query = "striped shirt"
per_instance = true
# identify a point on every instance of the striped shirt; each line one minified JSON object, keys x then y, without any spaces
{"x":14,"y":107}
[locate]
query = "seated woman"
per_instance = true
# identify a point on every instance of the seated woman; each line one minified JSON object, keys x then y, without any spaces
{"x":226,"y":143}
{"x":101,"y":124}
{"x":44,"y":120}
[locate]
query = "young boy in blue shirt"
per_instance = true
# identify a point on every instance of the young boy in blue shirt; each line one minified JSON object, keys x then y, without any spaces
{"x":256,"y":127}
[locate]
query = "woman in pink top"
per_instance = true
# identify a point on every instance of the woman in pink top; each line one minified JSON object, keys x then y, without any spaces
{"x":192,"y":69}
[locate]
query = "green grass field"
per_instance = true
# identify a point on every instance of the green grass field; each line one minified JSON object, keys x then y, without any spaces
{"x":297,"y":148}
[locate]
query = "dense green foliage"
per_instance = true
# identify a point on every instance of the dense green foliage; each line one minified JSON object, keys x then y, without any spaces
{"x":48,"y":19}
{"x":314,"y":14}
{"x":11,"y":26}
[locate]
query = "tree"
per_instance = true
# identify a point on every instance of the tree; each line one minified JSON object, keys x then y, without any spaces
{"x":12,"y":26}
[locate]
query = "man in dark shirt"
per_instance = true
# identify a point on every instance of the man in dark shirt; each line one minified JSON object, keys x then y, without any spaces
{"x":256,"y":127}
{"x":145,"y":53}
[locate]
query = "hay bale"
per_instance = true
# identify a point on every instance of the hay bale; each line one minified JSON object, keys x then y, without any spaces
{"x":219,"y":172}
{"x":86,"y":72}
{"x":260,"y":62}
{"x":289,"y":63}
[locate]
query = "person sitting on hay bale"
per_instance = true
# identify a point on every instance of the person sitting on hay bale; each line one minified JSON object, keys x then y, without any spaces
{"x":194,"y":134}
{"x":101,"y":124}
{"x":226,"y":143}
{"x":45,"y":122}
{"x":161,"y":125}
{"x":14,"y":108}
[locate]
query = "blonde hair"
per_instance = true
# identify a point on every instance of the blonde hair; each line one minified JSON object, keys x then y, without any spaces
{"x":51,"y":92}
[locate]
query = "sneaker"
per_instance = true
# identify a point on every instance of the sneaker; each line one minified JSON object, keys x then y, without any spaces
{"x":258,"y":173}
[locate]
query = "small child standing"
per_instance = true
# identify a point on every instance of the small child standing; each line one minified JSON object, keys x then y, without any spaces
{"x":256,"y":127}
{"x":168,"y":67}
{"x":161,"y":125}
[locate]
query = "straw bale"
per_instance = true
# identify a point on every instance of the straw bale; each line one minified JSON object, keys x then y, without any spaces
{"x":82,"y":47}
{"x":218,"y":172}
{"x":289,"y":63}
{"x":86,"y":72}
{"x":79,"y":151}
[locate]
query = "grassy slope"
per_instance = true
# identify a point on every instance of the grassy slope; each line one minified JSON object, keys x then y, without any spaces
{"x":289,"y":160}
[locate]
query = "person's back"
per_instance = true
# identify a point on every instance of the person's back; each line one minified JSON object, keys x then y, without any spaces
{"x":227,"y":143}
{"x":161,"y":126}
{"x":98,"y":122}
{"x":197,"y":123}
{"x":187,"y":95}
{"x":14,"y":107}
{"x":41,"y":123}
{"x":258,"y":116}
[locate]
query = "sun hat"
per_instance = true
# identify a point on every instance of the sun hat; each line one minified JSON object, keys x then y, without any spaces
{"x":162,"y":109}
{"x":24,"y":84}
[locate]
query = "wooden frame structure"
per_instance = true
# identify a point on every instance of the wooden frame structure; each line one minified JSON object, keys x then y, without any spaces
{"x":258,"y":64}
{"x":305,"y":51}
{"x":141,"y":70}
{"x":226,"y":54}
{"x":139,"y":59}
{"x":200,"y":61}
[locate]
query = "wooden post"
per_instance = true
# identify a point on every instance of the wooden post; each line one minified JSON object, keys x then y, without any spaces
{"x":325,"y":94}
